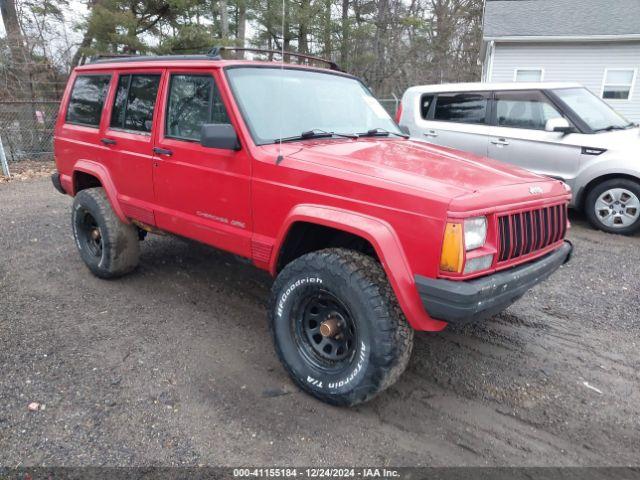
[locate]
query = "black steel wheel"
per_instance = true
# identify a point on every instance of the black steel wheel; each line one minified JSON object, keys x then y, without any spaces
{"x":337,"y":326}
{"x":108,"y":246}
{"x":89,"y":233}
{"x":324,"y":330}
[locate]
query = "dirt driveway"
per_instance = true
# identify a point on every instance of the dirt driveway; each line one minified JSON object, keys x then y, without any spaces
{"x":173,"y":365}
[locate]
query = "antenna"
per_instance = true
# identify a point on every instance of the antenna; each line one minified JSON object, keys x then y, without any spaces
{"x":280,"y":157}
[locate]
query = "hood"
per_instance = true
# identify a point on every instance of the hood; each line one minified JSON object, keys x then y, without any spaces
{"x":620,"y":140}
{"x":415,"y":164}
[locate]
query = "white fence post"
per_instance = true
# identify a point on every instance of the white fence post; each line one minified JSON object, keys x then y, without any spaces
{"x":3,"y":160}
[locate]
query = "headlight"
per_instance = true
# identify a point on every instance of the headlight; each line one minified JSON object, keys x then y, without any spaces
{"x":475,"y":232}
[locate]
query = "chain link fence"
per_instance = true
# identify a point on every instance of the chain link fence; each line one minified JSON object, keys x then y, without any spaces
{"x":390,"y":104}
{"x":26,"y":128}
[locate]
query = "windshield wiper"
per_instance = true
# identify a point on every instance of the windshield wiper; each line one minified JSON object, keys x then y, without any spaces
{"x":614,"y":127}
{"x":315,"y":133}
{"x":381,"y":132}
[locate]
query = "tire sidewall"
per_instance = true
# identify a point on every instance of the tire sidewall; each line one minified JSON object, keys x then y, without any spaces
{"x":598,"y":190}
{"x":337,"y":387}
{"x":85,"y":203}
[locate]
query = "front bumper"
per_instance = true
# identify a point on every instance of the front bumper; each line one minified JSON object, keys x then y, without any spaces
{"x":474,"y":300}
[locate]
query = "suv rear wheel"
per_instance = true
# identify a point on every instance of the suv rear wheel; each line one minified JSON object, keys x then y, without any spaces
{"x":337,"y":326}
{"x":108,"y":246}
{"x":614,"y":206}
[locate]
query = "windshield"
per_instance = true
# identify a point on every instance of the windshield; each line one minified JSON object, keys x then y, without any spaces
{"x":594,"y":112}
{"x":287,"y":103}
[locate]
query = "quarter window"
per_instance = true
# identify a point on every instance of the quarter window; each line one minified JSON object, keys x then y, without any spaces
{"x":193,"y":101}
{"x":425,"y":103}
{"x":618,"y":84}
{"x":87,"y":99}
{"x":461,"y":107}
{"x":524,"y":109}
{"x":135,"y":102}
{"x":528,"y":75}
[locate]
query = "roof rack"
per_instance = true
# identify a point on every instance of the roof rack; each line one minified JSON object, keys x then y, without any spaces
{"x":214,"y":54}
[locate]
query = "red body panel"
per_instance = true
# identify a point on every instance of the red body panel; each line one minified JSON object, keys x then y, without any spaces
{"x":397,"y":194}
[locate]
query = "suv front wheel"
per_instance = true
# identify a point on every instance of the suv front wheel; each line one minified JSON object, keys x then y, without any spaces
{"x":108,"y":246}
{"x":614,"y":206}
{"x":337,"y":326}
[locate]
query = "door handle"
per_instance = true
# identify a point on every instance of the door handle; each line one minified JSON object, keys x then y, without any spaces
{"x":108,"y":141}
{"x":162,"y":151}
{"x":431,"y":133}
{"x":500,"y":141}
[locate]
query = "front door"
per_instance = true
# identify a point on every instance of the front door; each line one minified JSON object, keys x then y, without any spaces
{"x":201,"y":193}
{"x":519,"y":136}
{"x":129,"y":142}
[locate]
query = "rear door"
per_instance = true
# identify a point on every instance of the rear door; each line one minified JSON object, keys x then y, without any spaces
{"x":201,"y":193}
{"x":519,"y":136}
{"x":79,"y":127}
{"x":128,"y":137}
{"x":457,"y":119}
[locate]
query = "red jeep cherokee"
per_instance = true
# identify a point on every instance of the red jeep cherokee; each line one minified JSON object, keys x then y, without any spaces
{"x":369,"y":234}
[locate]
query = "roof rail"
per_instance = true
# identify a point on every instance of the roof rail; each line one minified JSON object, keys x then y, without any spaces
{"x":146,"y":58}
{"x":215,"y":52}
{"x":105,"y":56}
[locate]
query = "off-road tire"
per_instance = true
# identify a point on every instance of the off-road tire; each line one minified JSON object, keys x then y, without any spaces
{"x":119,"y":248}
{"x":384,"y":339}
{"x":594,"y":194}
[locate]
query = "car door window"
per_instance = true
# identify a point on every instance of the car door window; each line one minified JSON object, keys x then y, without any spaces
{"x":194,"y":100}
{"x":468,"y":107}
{"x":135,"y":102}
{"x":87,"y":100}
{"x":524,"y":109}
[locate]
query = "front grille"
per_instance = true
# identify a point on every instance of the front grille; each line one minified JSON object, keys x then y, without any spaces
{"x":525,"y":232}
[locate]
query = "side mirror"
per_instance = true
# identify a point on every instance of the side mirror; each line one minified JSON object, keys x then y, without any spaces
{"x":222,"y":136}
{"x":558,"y":125}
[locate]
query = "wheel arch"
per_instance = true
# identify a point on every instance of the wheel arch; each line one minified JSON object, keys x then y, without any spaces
{"x":582,"y":194}
{"x":384,"y":242}
{"x":84,"y":171}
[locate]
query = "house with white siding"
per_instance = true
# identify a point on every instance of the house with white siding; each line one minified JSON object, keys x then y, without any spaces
{"x":594,"y":42}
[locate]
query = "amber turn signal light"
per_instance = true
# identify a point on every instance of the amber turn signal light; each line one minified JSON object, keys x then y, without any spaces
{"x":452,"y":257}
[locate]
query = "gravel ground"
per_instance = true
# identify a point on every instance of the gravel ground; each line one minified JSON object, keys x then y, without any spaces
{"x":173,"y":365}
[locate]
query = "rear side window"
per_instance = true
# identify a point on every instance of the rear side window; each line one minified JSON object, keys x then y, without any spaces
{"x":135,"y":102}
{"x":461,"y":107}
{"x":193,"y":101}
{"x":87,"y":99}
{"x":524,"y":109}
{"x":425,"y":105}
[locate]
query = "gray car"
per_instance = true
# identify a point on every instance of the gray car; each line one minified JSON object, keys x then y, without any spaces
{"x":560,"y":130}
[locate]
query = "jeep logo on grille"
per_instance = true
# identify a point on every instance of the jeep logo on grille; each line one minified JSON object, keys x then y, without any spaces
{"x":535,"y":190}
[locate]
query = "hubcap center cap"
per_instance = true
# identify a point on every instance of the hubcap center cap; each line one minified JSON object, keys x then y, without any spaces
{"x":330,"y":327}
{"x":95,"y":234}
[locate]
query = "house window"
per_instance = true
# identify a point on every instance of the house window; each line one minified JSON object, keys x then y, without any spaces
{"x":618,"y":83}
{"x":528,"y":75}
